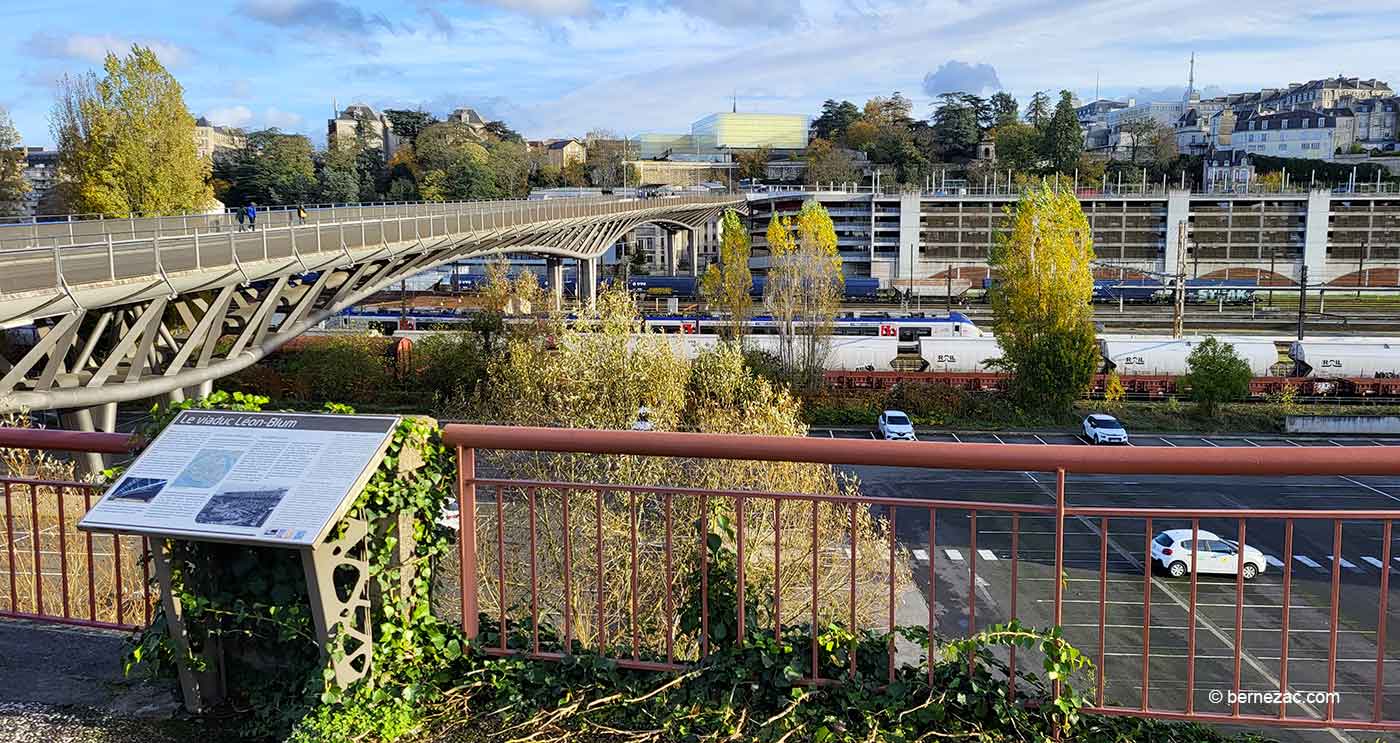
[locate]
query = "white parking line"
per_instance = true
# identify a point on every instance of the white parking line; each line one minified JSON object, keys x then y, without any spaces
{"x":1333,"y":443}
{"x":1308,"y":561}
{"x":1208,"y":441}
{"x":1374,"y":561}
{"x":1251,"y":443}
{"x":953,"y":555}
{"x":987,"y":555}
{"x":1037,"y":438}
{"x":921,"y":555}
{"x":872,"y":434}
{"x":955,"y":437}
{"x":830,"y":433}
{"x":1165,"y":441}
{"x":1348,"y":564}
{"x":1368,"y":487}
{"x":1274,"y":562}
{"x":998,"y":438}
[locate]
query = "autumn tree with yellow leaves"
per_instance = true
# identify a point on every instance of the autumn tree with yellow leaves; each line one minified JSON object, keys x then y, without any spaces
{"x":726,"y":285}
{"x":1041,"y":299}
{"x":804,"y":289}
{"x":127,"y":141}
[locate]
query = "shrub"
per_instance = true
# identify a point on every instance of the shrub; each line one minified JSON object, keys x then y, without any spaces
{"x":353,"y":368}
{"x":1215,"y":374}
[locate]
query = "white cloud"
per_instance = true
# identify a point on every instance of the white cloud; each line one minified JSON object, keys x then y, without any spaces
{"x":94,"y":48}
{"x":540,"y":7}
{"x":284,"y":120}
{"x":236,"y":116}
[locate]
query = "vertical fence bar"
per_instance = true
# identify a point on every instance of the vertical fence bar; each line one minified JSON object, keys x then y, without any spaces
{"x":38,"y":555}
{"x":1191,"y":617}
{"x":91,"y":569}
{"x":1376,"y":714}
{"x":816,"y":670}
{"x":932,"y":611}
{"x":146,"y":602}
{"x":534,"y":577}
{"x":1239,"y":615}
{"x":704,"y":576}
{"x":63,"y":549}
{"x":777,"y":570}
{"x":10,"y":547}
{"x":1283,"y":624}
{"x":1059,"y":547}
{"x":1146,"y":611}
{"x":972,"y":575}
{"x":466,"y":542}
{"x":670,"y":606}
{"x":501,"y":562}
{"x":1015,"y":586}
{"x":568,"y":578}
{"x":1103,"y":608}
{"x":739,"y":582}
{"x":893,"y":541}
{"x":854,"y":628}
{"x":117,"y":574}
{"x":632,"y":524}
{"x":1332,"y":617}
{"x":602,"y":633}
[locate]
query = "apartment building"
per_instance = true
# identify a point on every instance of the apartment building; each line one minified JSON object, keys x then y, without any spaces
{"x":1301,"y":133}
{"x":210,"y":141}
{"x":357,"y":120}
{"x":1377,"y":121}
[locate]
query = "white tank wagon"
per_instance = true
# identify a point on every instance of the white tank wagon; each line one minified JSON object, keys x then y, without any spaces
{"x":843,"y":353}
{"x":1130,"y":355}
{"x":961,"y":355}
{"x":1362,"y":357}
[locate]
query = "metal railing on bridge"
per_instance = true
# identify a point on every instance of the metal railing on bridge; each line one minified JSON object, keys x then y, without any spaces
{"x":519,"y":535}
{"x":73,"y":253}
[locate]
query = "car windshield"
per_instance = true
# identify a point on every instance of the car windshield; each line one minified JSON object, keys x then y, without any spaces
{"x":1104,"y":423}
{"x":1163,"y":539}
{"x":895,"y":419}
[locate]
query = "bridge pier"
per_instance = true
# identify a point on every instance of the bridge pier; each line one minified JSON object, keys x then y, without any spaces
{"x":555,"y":267}
{"x":694,"y":246}
{"x":590,"y":287}
{"x":672,"y":252}
{"x":97,"y":418}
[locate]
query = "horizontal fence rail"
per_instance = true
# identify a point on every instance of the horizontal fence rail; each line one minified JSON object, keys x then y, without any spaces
{"x":50,"y":571}
{"x":552,"y":567}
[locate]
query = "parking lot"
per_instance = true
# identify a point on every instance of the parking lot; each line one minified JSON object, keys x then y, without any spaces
{"x":973,"y":578}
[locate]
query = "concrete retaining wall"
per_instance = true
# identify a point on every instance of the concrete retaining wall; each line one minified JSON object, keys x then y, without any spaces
{"x":1344,"y":424}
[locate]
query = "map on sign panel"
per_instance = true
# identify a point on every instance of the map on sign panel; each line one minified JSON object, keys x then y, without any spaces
{"x":279,"y":478}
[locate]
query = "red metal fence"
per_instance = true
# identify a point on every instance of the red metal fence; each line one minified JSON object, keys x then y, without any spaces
{"x":535,"y":539}
{"x":49,"y":570}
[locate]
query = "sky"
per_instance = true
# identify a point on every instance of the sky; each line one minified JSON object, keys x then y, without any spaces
{"x":556,"y":68}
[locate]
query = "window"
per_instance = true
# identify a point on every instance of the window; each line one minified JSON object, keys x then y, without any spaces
{"x":1321,"y":122}
{"x":1163,"y":539}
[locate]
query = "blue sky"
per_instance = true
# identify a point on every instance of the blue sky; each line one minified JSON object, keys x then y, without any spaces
{"x":563,"y":67}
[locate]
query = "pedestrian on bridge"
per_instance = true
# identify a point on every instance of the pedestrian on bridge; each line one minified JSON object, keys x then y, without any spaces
{"x":242,"y":215}
{"x":301,"y":213}
{"x":253,"y":216}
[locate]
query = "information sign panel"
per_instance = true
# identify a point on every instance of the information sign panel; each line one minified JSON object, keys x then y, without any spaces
{"x":271,"y":478}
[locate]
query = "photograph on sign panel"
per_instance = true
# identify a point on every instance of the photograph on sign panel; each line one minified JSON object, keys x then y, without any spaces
{"x":138,"y":488}
{"x":208,"y":468}
{"x":241,"y":507}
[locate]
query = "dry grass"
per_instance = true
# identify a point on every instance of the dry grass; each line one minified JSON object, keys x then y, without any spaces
{"x":49,"y":568}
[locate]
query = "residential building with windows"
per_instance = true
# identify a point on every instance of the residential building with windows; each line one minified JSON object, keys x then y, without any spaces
{"x":41,"y":170}
{"x":1327,"y":93}
{"x":210,"y":141}
{"x":562,"y":152}
{"x":1300,"y":133}
{"x":1377,"y":121}
{"x":357,"y":120}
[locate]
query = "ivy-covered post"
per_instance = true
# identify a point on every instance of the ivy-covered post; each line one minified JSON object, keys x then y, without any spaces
{"x":201,"y":676}
{"x":466,"y":540}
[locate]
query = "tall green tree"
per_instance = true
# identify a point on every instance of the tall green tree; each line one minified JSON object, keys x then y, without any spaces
{"x":338,"y":176}
{"x":753,"y":164}
{"x":835,"y":118}
{"x":13,"y":185}
{"x":269,"y":168}
{"x":607,"y":158}
{"x":1005,"y":109}
{"x":408,"y":124}
{"x":1064,"y":139}
{"x":127,"y":140}
{"x":1215,"y":374}
{"x":1038,"y":110}
{"x":955,"y":125}
{"x":1043,"y":318}
{"x":1018,"y":147}
{"x":726,"y":285}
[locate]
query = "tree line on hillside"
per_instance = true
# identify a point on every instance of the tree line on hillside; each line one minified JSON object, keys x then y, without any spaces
{"x":127,"y":146}
{"x":1043,"y":140}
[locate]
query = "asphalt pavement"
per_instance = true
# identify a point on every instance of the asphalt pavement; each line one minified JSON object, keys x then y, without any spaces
{"x":973,"y":584}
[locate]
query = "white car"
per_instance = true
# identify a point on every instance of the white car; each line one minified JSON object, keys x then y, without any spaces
{"x":1104,"y":429}
{"x":896,"y":426}
{"x":1172,"y":549}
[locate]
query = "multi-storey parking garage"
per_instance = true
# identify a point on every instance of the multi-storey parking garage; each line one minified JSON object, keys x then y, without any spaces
{"x":1343,"y":239}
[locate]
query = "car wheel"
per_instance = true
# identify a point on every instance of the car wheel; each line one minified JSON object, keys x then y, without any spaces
{"x":1177,"y":569}
{"x":1250,"y":571}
